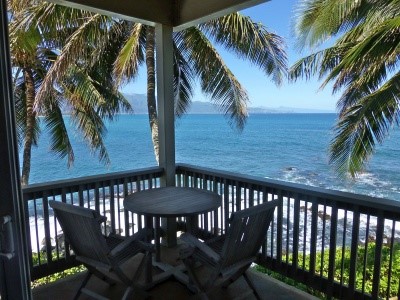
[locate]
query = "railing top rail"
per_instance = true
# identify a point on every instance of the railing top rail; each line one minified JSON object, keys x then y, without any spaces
{"x":40,"y":187}
{"x":344,"y":197}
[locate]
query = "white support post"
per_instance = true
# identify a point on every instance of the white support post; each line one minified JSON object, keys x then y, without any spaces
{"x":166,"y":118}
{"x":165,"y":100}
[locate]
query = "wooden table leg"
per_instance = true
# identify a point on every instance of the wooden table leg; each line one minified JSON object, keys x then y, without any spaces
{"x":157,"y":238}
{"x":170,"y":227}
{"x":192,"y":223}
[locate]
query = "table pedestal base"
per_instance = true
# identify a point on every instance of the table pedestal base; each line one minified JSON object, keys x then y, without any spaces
{"x":171,"y":271}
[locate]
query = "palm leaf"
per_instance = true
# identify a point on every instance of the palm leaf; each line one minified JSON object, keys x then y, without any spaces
{"x":60,"y":142}
{"x":250,"y":41}
{"x":318,"y":20}
{"x":87,"y":34}
{"x":216,"y":79}
{"x":363,"y":125}
{"x":130,"y":56}
{"x":183,"y":76}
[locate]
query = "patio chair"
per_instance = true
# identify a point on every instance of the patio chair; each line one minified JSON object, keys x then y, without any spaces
{"x":104,"y":256}
{"x":226,"y":258}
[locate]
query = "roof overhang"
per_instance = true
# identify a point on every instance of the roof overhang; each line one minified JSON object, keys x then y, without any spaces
{"x":179,"y":14}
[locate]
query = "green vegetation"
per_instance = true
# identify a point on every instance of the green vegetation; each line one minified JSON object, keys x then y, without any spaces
{"x":290,"y":281}
{"x":56,"y":276}
{"x":362,"y":64}
{"x":361,"y":279}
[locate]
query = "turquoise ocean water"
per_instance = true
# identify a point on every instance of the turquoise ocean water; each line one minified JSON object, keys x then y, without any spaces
{"x":288,"y":147}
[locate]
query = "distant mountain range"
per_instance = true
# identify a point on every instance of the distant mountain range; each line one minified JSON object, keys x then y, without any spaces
{"x":139,"y":104}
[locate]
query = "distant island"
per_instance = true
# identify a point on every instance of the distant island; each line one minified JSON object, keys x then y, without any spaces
{"x":139,"y":104}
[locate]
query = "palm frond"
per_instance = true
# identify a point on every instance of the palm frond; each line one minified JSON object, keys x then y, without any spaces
{"x":250,"y":41}
{"x":216,"y":79}
{"x":183,"y":76}
{"x":88,"y":122}
{"x":55,"y":124}
{"x":130,"y":56}
{"x":363,"y":125}
{"x":318,"y":20}
{"x":87,"y":34}
{"x":368,"y":60}
{"x":319,"y":63}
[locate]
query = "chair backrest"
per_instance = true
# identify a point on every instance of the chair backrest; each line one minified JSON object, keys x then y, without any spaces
{"x":246,"y":233}
{"x":82,"y":229}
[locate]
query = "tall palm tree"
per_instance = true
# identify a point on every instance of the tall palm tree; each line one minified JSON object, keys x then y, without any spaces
{"x":363,"y":64}
{"x":196,"y":57}
{"x":86,"y":89}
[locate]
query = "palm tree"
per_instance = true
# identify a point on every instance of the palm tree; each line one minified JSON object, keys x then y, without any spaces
{"x":363,"y":64}
{"x":196,"y":57}
{"x":86,"y":88}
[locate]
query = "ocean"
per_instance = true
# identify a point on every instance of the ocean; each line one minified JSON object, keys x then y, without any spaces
{"x":287,"y":147}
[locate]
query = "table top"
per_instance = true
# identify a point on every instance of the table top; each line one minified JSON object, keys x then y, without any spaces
{"x":172,"y":202}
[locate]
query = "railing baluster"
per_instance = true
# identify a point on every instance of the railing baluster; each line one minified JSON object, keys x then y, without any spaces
{"x":391,"y":253}
{"x":46,"y":219}
{"x":343,"y":252}
{"x":323,"y":241}
{"x":296,"y":225}
{"x":378,"y":251}
{"x":305,"y":228}
{"x":80,"y":196}
{"x":353,"y":252}
{"x":365,"y":254}
{"x":287,"y":227}
{"x":238,"y":197}
{"x":272,"y":231}
{"x":226,"y":204}
{"x":314,"y":233}
{"x":279,"y":228}
{"x":126,"y":214}
{"x":112,"y":205}
{"x":332,"y":250}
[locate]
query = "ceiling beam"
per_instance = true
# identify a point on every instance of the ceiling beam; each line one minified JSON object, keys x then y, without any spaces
{"x":194,"y":12}
{"x":148,"y":12}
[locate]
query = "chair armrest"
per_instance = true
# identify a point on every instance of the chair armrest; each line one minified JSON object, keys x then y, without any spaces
{"x":102,"y":219}
{"x":133,"y":241}
{"x":195,"y":243}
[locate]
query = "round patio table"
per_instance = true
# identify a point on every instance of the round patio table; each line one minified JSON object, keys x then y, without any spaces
{"x":172,"y":202}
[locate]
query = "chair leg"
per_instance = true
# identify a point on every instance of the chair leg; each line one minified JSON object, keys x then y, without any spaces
{"x":128,"y":293}
{"x":84,"y":282}
{"x":235,"y":277}
{"x":194,"y":284}
{"x":250,"y":283}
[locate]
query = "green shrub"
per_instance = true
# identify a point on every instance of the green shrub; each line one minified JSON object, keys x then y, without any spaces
{"x":362,"y":276}
{"x":53,"y":277}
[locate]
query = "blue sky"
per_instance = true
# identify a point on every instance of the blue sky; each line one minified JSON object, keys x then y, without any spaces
{"x":277,"y":16}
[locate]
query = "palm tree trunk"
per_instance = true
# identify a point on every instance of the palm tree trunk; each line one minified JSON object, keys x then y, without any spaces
{"x":30,"y":125}
{"x":151,"y":89}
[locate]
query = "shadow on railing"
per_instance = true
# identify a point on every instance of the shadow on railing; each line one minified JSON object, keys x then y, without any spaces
{"x":345,"y":245}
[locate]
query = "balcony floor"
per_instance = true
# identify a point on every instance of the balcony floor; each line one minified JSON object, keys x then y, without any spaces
{"x":172,"y":289}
